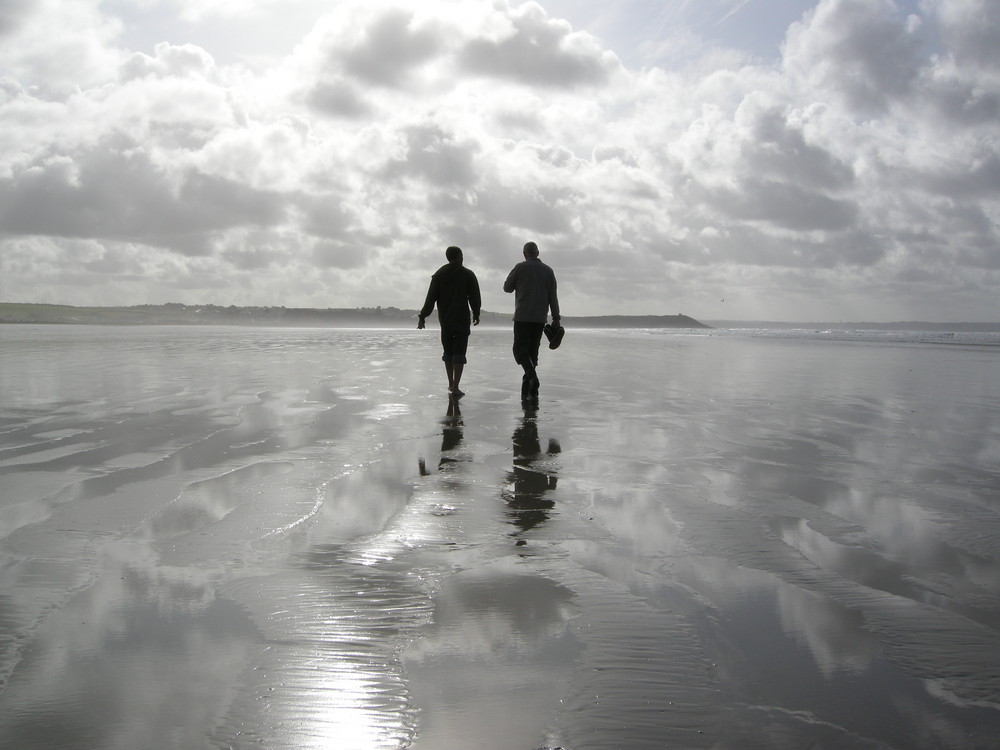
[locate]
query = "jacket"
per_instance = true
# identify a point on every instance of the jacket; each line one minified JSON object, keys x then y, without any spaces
{"x":455,"y":289}
{"x":534,"y":285}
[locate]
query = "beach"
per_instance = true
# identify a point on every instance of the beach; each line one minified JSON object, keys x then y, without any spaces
{"x":225,"y":537}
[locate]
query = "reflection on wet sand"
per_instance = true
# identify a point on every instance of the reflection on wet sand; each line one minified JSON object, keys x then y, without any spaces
{"x":114,"y":666}
{"x":531,"y":476}
{"x":498,"y":650}
{"x":221,"y":539}
{"x":451,"y":438}
{"x":489,"y":669}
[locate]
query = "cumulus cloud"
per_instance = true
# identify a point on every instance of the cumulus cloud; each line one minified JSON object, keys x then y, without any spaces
{"x":57,"y":46}
{"x":857,"y":170}
{"x":13,"y":14}
{"x":971,"y":29}
{"x":115,"y":192}
{"x":434,"y":157}
{"x":536,"y":50}
{"x":182,"y":61}
{"x":858,"y":49}
{"x":777,"y":147}
{"x":388,"y":48}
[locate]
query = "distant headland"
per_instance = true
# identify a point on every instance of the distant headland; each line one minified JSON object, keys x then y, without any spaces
{"x":175,"y":313}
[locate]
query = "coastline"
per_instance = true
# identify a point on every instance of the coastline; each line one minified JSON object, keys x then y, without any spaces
{"x":174,"y":313}
{"x":17,"y":313}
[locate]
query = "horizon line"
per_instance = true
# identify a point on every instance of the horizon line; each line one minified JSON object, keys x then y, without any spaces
{"x":740,"y":321}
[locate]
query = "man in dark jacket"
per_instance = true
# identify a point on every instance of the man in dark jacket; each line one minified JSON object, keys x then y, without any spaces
{"x":534,"y":287}
{"x":455,"y":289}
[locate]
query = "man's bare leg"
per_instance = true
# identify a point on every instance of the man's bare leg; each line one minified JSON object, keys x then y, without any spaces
{"x":449,"y":368}
{"x":454,"y":378}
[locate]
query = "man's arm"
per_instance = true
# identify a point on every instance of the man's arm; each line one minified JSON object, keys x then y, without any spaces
{"x":554,"y":300}
{"x":432,"y":295}
{"x":475,"y":298}
{"x":511,"y":283}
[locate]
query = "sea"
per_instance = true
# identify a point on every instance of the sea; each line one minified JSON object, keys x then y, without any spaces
{"x":882,"y":336}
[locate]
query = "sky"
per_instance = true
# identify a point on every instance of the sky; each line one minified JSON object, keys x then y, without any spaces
{"x":781,"y":160}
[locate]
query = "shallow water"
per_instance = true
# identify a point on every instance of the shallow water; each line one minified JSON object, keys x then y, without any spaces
{"x":236,"y":538}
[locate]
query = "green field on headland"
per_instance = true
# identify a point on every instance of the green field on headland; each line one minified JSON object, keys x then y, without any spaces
{"x":174,"y":313}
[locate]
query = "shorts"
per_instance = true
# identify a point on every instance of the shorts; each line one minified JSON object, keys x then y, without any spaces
{"x":455,"y":342}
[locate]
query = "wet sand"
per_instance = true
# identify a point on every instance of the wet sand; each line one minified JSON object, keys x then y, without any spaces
{"x":266,"y":538}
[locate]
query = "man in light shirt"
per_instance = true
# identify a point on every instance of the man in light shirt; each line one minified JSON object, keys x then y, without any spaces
{"x":534,"y":286}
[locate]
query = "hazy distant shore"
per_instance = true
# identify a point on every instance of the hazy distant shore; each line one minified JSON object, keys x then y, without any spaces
{"x":365,"y":317}
{"x":895,"y":325}
{"x":392,"y":317}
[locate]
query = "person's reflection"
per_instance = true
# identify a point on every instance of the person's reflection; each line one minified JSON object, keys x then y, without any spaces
{"x":527,"y":505}
{"x":451,"y":434}
{"x":451,"y":438}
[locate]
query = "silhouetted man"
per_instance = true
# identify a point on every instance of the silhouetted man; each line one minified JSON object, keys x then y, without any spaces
{"x":455,"y":290}
{"x":534,"y":287}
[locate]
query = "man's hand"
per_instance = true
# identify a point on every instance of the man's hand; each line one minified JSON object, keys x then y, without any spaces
{"x":475,"y":321}
{"x":420,"y":324}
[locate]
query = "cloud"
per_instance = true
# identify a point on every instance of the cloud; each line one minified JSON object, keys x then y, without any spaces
{"x":360,"y":48}
{"x":978,"y":180}
{"x":533,"y":49}
{"x":970,"y":29}
{"x":433,"y":156}
{"x":388,"y":48}
{"x":961,"y":86}
{"x":777,"y":147}
{"x":860,"y":161}
{"x":13,"y":15}
{"x":340,"y":255}
{"x":540,"y":211}
{"x":783,"y":204}
{"x":114,"y":191}
{"x":858,"y":49}
{"x":55,"y":47}
{"x":181,"y":61}
{"x":333,"y":95}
